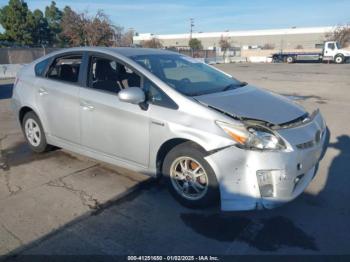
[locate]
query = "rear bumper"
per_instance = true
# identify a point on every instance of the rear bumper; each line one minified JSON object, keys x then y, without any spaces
{"x":291,"y":172}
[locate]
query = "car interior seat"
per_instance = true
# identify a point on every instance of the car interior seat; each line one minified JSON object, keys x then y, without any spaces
{"x":128,"y":79}
{"x":105,"y":77}
{"x":67,"y":74}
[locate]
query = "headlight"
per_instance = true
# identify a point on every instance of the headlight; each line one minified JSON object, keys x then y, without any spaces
{"x":253,"y":137}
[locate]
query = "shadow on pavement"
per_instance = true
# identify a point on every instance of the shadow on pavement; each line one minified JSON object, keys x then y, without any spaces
{"x":266,"y":234}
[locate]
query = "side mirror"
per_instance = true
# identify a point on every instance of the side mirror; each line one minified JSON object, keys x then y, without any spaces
{"x":132,"y":95}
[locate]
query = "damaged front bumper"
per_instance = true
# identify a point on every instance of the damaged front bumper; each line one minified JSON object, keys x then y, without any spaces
{"x":251,"y":179}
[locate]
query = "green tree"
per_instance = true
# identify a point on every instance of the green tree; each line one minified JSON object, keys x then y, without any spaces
{"x":17,"y":20}
{"x":195,"y":44}
{"x":54,"y":16}
{"x":3,"y":41}
{"x":41,"y":30}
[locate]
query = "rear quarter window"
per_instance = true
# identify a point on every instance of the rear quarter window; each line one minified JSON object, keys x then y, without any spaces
{"x":40,"y":67}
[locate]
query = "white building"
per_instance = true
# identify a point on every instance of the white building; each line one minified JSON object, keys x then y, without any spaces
{"x":289,"y":38}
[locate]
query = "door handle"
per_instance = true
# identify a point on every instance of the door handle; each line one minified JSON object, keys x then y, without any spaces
{"x":86,"y":106}
{"x":42,"y":92}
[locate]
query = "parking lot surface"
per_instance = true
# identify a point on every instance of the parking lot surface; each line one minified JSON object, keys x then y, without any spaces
{"x":52,"y":203}
{"x":40,"y":193}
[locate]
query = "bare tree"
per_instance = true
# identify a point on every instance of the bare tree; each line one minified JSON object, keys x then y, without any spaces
{"x":340,"y":34}
{"x":127,"y":38}
{"x":98,"y":30}
{"x":81,"y":29}
{"x":152,"y":43}
{"x":224,"y":45}
{"x":118,"y":32}
{"x":72,"y":28}
{"x":268,"y":46}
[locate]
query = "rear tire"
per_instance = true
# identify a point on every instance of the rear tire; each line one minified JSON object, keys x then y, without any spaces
{"x":275,"y":59}
{"x":189,"y":177}
{"x":339,"y":59}
{"x":34,"y":133}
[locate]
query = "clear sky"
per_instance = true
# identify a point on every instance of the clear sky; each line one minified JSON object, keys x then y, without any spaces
{"x":157,"y":16}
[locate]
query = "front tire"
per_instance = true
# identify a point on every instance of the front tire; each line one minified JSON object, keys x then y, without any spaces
{"x":190,"y":178}
{"x":339,"y":59}
{"x":34,"y":133}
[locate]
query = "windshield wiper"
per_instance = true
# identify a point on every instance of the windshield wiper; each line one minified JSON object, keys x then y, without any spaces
{"x":241,"y":84}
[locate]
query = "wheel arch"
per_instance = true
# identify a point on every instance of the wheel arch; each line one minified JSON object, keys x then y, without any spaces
{"x":292,"y":57}
{"x":168,"y":145}
{"x":27,"y":108}
{"x":339,"y":55}
{"x":23,"y":111}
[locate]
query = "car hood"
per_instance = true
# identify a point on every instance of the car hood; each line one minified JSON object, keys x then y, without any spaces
{"x":254,"y":103}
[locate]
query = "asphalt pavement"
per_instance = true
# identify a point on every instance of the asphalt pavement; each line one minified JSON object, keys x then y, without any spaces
{"x":150,"y":221}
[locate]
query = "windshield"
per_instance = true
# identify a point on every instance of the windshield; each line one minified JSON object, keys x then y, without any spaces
{"x":187,"y":75}
{"x":338,"y":45}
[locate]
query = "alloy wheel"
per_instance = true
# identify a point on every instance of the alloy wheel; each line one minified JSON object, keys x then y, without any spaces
{"x":33,"y":132}
{"x":189,"y":178}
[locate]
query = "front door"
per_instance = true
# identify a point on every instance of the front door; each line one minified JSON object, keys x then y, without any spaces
{"x":330,"y":49}
{"x":109,"y":126}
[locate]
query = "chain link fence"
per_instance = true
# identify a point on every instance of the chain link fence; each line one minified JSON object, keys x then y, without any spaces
{"x":213,"y":56}
{"x":14,"y":55}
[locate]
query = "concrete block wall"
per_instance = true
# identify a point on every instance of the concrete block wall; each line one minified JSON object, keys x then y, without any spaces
{"x":9,"y":70}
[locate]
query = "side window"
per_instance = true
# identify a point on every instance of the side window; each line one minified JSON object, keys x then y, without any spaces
{"x":41,"y":67}
{"x":65,"y":68}
{"x":156,"y":96}
{"x":109,"y":75}
{"x":331,"y":46}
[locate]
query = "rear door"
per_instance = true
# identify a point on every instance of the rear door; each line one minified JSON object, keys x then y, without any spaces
{"x":109,"y":126}
{"x":58,"y":97}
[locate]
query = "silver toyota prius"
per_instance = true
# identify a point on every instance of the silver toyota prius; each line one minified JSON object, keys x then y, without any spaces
{"x":213,"y":138}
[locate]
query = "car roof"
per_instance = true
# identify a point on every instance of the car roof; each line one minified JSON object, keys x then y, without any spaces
{"x":129,"y":51}
{"x":124,"y":51}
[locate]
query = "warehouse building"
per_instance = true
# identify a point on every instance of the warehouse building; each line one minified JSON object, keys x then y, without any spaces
{"x":290,"y":38}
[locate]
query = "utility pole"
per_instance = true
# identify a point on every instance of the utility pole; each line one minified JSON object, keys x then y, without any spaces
{"x":132,"y":32}
{"x":191,"y":27}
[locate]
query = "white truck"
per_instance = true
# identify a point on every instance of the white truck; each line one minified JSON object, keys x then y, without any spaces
{"x":331,"y":52}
